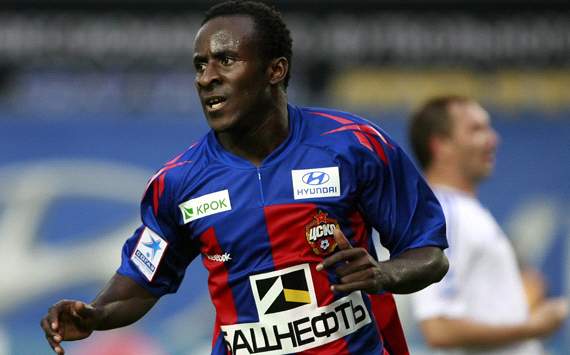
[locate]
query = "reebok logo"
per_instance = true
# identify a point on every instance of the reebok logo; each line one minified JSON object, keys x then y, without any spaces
{"x":221,"y":258}
{"x":206,"y":205}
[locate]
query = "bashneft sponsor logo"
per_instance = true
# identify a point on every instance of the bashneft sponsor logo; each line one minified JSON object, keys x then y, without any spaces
{"x":284,"y":333}
{"x":206,"y":205}
{"x":219,"y":258}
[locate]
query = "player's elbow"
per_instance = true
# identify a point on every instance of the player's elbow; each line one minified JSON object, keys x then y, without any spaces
{"x":438,"y":265}
{"x":441,"y":267}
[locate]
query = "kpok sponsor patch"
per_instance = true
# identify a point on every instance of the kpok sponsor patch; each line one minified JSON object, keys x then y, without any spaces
{"x":205,"y":205}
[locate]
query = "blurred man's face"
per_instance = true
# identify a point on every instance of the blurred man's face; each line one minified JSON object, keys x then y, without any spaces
{"x":473,"y":141}
{"x":230,"y":76}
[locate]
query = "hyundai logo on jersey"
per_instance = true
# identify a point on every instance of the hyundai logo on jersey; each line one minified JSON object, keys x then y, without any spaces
{"x":316,"y":183}
{"x":316,"y":178}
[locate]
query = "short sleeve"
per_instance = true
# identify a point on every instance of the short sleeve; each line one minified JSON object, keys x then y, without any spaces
{"x":450,"y":297}
{"x":396,"y":199}
{"x":157,"y":254}
{"x":443,"y":299}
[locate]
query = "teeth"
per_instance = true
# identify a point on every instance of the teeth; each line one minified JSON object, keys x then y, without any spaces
{"x":215,"y":102}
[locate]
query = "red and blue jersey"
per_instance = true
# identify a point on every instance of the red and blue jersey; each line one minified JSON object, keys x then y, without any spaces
{"x":261,"y":231}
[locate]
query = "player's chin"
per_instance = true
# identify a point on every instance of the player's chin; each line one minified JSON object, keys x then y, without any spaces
{"x":220,"y":123}
{"x":486,"y":172}
{"x":486,"y":165}
{"x":490,"y":165}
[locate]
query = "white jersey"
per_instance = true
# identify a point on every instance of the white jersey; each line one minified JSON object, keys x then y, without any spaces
{"x":483,"y":283}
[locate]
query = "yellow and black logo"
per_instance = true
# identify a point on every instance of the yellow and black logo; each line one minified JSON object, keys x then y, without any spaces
{"x":283,"y":292}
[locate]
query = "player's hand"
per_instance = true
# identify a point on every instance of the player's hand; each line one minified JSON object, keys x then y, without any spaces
{"x":68,"y":320}
{"x":355,"y":267}
{"x":534,"y":287}
{"x":548,"y":316}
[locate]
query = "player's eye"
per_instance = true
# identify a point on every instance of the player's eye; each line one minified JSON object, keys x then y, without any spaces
{"x":200,"y":67}
{"x":227,"y":61}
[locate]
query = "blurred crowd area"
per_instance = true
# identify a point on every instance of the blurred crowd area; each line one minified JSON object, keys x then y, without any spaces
{"x":96,"y":95}
{"x":66,"y":60}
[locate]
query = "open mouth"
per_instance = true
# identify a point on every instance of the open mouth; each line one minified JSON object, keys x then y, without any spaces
{"x":215,"y":103}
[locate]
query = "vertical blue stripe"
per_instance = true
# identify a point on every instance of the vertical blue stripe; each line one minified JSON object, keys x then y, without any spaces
{"x":366,"y":340}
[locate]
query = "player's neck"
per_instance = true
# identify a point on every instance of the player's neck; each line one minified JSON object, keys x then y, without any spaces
{"x":453,"y":179}
{"x":256,"y":143}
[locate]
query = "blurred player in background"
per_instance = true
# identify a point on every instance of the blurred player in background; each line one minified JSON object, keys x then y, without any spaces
{"x":266,"y":198}
{"x":480,"y":306}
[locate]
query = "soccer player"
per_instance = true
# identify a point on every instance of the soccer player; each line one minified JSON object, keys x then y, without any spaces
{"x":479,"y":307}
{"x":280,"y":202}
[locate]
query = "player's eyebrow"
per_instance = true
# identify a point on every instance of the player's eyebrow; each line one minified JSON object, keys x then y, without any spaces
{"x":224,"y":53}
{"x":198,"y":58}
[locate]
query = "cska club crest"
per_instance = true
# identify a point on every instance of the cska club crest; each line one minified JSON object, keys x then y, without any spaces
{"x":320,"y":234}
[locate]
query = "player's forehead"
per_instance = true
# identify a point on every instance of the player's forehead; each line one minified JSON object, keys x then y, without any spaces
{"x":467,"y":114}
{"x":225,"y":33}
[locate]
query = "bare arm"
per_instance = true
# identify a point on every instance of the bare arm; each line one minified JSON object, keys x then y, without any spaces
{"x":121,"y":302}
{"x":411,"y":271}
{"x":450,"y":333}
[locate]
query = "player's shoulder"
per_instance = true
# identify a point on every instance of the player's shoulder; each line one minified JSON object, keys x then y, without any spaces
{"x":458,"y":203}
{"x":465,"y":216}
{"x":183,"y":165}
{"x":343,"y":131}
{"x":320,"y":117}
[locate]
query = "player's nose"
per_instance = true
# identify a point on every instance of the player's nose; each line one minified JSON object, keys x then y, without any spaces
{"x":208,"y":76}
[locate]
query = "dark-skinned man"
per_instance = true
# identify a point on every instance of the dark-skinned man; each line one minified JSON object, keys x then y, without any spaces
{"x":280,"y":202}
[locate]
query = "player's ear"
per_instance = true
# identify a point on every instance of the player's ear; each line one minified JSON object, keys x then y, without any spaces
{"x":438,"y":145}
{"x":277,"y":70}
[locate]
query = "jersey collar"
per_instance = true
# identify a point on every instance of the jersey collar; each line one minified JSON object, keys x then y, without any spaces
{"x":226,"y":157}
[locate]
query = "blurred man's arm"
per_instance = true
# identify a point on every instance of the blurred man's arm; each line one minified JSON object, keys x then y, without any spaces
{"x":443,"y":332}
{"x":120,"y":303}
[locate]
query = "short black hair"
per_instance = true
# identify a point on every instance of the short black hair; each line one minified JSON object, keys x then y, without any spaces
{"x":274,"y":36}
{"x":432,"y":119}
